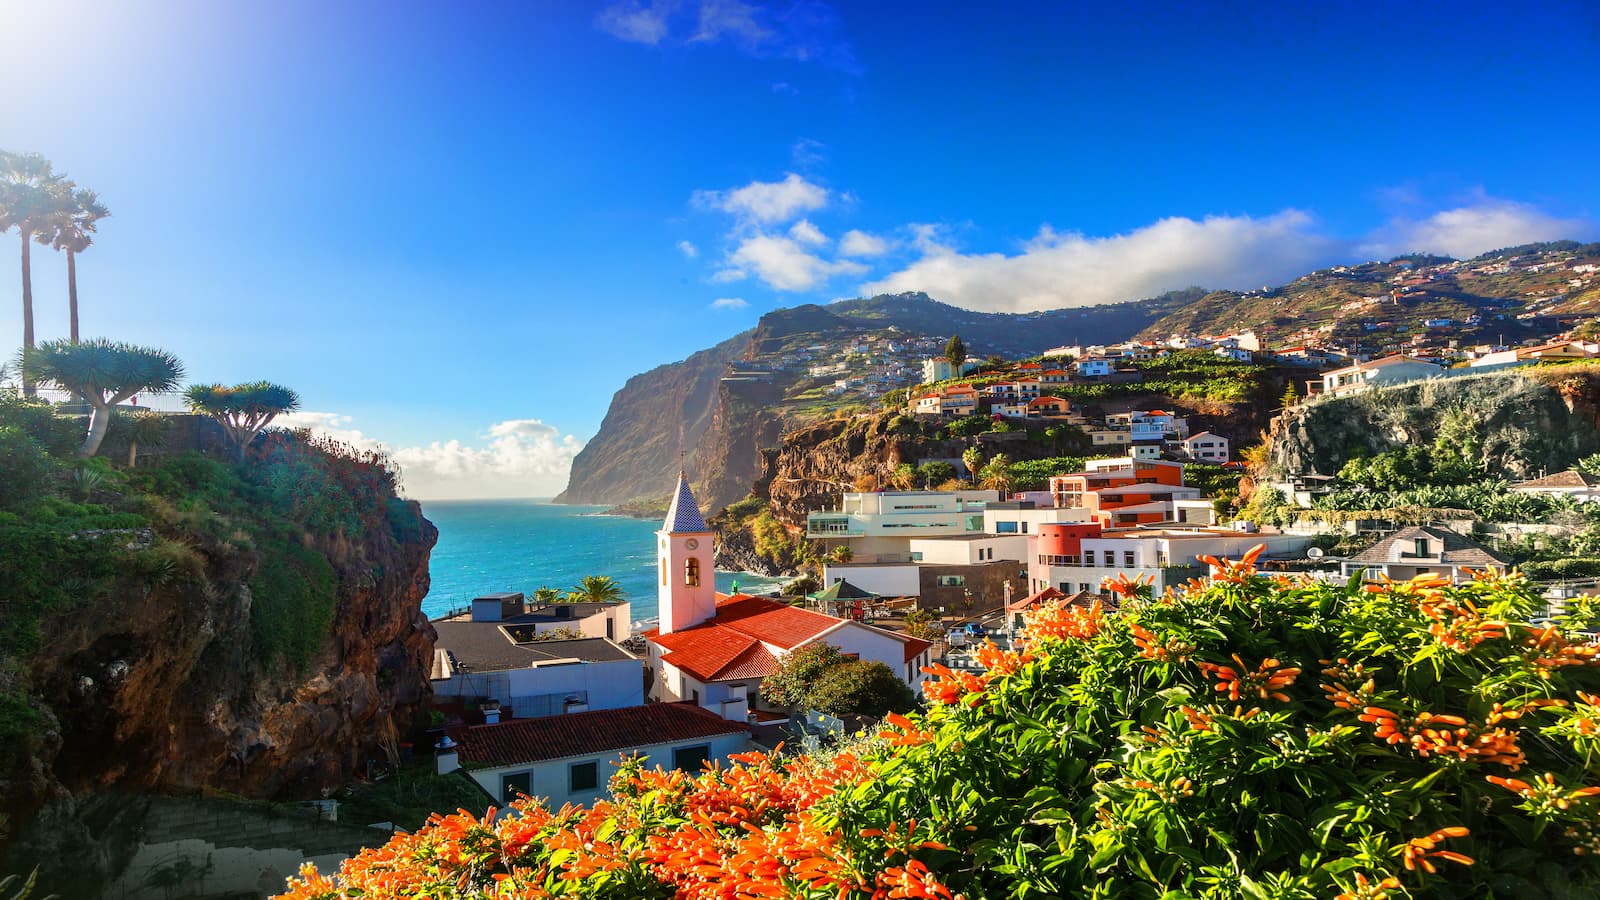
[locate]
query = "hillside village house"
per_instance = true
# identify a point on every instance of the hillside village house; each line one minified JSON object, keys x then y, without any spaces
{"x":487,"y":668}
{"x":1571,"y":483}
{"x":713,"y":650}
{"x":1094,"y":367}
{"x":1206,"y":447}
{"x":1415,"y":551}
{"x":1379,"y":372}
{"x":939,"y":368}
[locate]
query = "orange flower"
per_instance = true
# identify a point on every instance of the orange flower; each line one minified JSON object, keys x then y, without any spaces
{"x":947,"y":687}
{"x":1267,"y":681}
{"x":1059,"y":622}
{"x":1420,"y":852}
{"x":1365,"y":890}
{"x":903,"y":732}
{"x":1002,"y":662}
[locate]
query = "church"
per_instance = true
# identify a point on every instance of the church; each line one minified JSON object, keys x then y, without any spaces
{"x":713,"y":649}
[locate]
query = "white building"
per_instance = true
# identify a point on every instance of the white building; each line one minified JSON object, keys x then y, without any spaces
{"x":1165,"y":555}
{"x":535,"y":678}
{"x":939,"y":369}
{"x":1379,"y":372}
{"x":1571,"y":483}
{"x":1415,"y":551}
{"x":1206,"y":447}
{"x":969,"y":549}
{"x":713,"y":650}
{"x":1011,"y":517}
{"x":572,"y":759}
{"x":1094,"y":367}
{"x":880,"y":523}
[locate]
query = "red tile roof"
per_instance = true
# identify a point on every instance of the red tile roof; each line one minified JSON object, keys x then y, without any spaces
{"x":915,"y":646}
{"x":590,"y":733}
{"x":729,"y":646}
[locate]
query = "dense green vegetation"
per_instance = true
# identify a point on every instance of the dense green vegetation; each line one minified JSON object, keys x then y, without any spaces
{"x":73,"y":530}
{"x":1248,"y":737}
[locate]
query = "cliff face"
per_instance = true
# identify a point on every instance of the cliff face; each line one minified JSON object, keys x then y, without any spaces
{"x":1523,"y":424}
{"x":656,"y":423}
{"x":157,"y":682}
{"x":724,"y":406}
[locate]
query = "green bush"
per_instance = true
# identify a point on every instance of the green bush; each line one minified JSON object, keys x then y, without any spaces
{"x":1563,"y":568}
{"x":865,"y":687}
{"x":25,"y":468}
{"x":293,"y":598}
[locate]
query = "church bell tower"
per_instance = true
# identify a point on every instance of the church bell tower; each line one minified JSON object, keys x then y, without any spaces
{"x":686,"y":583}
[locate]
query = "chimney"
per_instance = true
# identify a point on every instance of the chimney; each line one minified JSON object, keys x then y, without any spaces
{"x":447,"y":758}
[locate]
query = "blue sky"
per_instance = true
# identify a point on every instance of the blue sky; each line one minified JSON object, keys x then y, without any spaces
{"x":457,"y":229}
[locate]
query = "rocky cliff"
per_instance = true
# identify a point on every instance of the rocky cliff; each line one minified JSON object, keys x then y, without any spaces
{"x":716,"y":411}
{"x":224,"y":647}
{"x":1521,"y":424}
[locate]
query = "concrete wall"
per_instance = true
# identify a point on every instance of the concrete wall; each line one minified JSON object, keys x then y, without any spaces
{"x":986,"y":581}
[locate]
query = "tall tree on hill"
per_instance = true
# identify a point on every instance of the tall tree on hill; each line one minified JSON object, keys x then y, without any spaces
{"x":30,"y":196}
{"x":1290,"y":398}
{"x":956,"y":352}
{"x":996,"y":476}
{"x":72,"y":229}
{"x":244,"y":409}
{"x":102,"y":373}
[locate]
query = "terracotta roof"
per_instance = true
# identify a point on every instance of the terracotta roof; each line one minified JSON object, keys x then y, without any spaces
{"x":770,"y":621}
{"x":590,"y":733}
{"x":724,"y":647}
{"x":915,"y":646}
{"x":683,"y":517}
{"x":1458,"y":550}
{"x":1196,"y":437}
{"x":1571,"y":478}
{"x":756,"y":662}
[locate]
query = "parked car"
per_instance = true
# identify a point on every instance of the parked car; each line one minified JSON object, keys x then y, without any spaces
{"x":973,"y":629}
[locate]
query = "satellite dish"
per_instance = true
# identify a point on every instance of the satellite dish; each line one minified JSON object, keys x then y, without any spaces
{"x":1314,"y":553}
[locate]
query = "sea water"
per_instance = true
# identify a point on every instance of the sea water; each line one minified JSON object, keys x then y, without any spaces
{"x":520,"y":545}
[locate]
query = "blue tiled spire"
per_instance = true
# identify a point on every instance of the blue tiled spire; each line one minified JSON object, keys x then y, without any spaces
{"x":683,"y":516}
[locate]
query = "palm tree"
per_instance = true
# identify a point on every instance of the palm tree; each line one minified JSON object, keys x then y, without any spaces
{"x":244,"y":409}
{"x":546,"y":595}
{"x":996,"y":476}
{"x":103,"y":373}
{"x":972,"y":458}
{"x":30,"y":195}
{"x":596,"y":589}
{"x":72,"y":229}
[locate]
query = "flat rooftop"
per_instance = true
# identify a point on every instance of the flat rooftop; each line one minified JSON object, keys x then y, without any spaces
{"x":487,"y":647}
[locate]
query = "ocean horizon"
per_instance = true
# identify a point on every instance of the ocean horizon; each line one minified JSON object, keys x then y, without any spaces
{"x":524,"y":544}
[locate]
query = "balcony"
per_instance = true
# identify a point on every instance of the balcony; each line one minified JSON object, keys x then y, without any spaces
{"x":833,"y":529}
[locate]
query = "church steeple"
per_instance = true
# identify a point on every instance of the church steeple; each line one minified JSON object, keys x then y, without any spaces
{"x":683,"y":516}
{"x":687,"y":593}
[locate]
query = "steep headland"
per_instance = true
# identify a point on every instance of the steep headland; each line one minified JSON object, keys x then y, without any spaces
{"x":195,"y":624}
{"x":718,"y":409}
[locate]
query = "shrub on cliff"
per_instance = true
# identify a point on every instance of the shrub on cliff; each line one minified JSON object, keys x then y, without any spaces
{"x":1244,"y":737}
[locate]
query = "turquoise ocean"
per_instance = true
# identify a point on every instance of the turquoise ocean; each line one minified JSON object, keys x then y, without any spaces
{"x":519,"y":545}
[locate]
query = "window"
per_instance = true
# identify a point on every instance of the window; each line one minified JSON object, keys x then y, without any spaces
{"x":1005,"y":528}
{"x":514,"y":786}
{"x":1110,"y":558}
{"x":1421,"y":546}
{"x":691,"y":759}
{"x":610,"y":628}
{"x":1127,"y":558}
{"x":952,"y":580}
{"x":582,"y":777}
{"x":694,"y":696}
{"x":1024,"y":527}
{"x":691,"y":572}
{"x":663,"y":573}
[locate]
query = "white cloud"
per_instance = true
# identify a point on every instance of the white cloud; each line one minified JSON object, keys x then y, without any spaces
{"x":515,"y":458}
{"x":688,"y":249}
{"x":1487,"y":224}
{"x":640,"y":23}
{"x":728,"y":303}
{"x":859,"y":243}
{"x":807,"y":233}
{"x":1069,"y":269}
{"x":783,"y":264}
{"x":766,"y":202}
